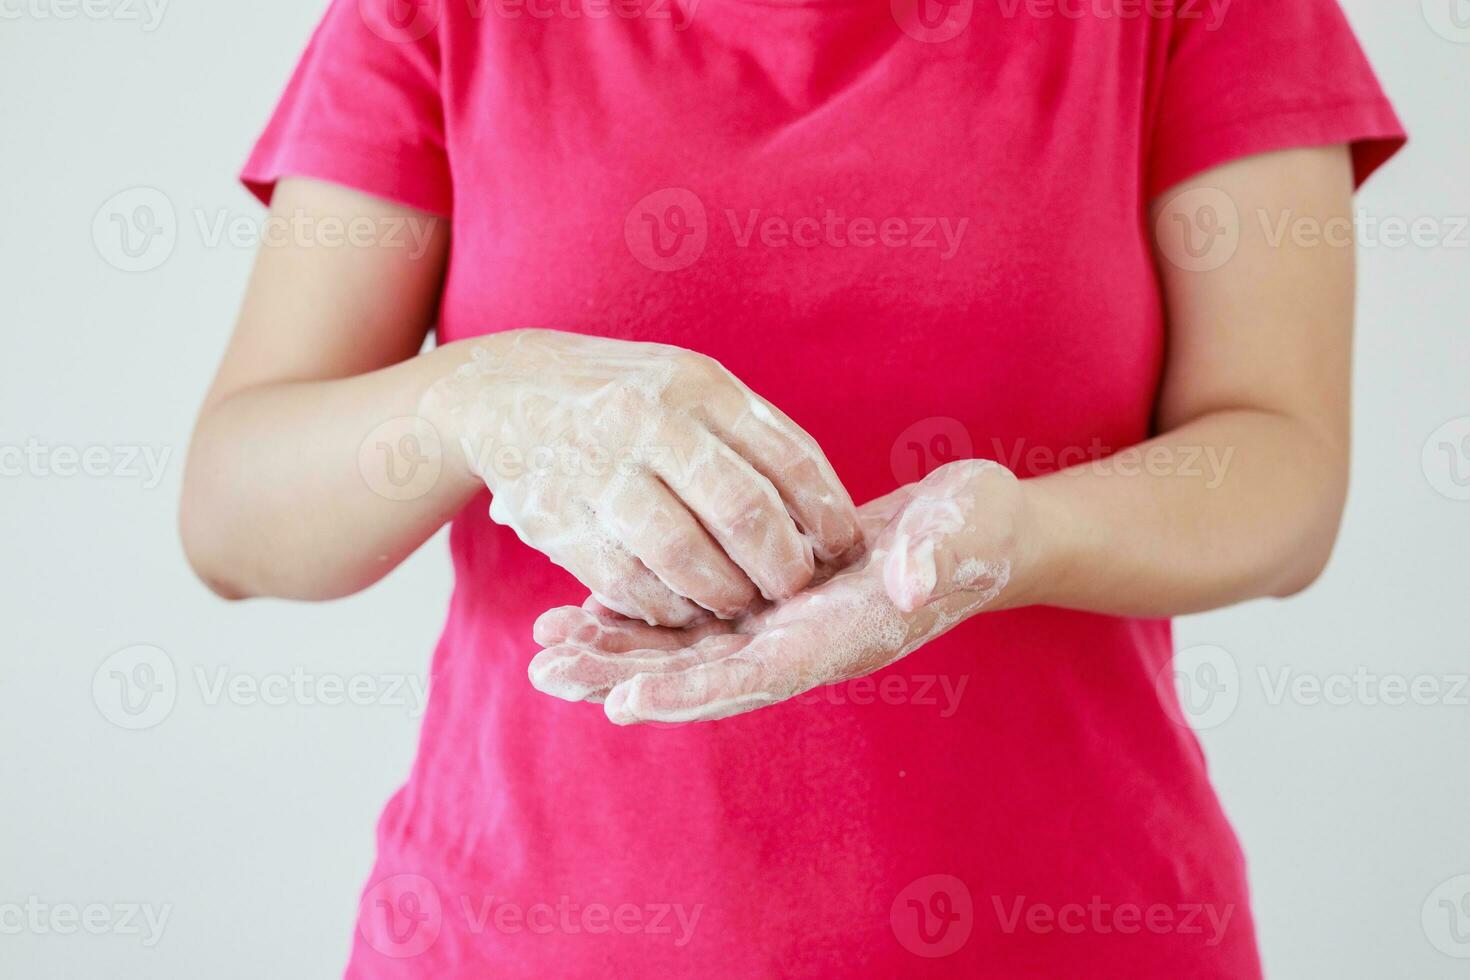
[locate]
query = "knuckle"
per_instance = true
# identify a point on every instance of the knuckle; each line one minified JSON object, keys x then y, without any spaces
{"x":807,"y":479}
{"x":744,"y":509}
{"x":696,"y":364}
{"x":792,"y":577}
{"x":624,"y":401}
{"x":654,"y":602}
{"x":786,"y":570}
{"x":671,"y":553}
{"x":733,"y":598}
{"x":700,"y":372}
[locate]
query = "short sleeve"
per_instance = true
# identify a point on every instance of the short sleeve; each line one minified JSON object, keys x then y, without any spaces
{"x":363,"y":109}
{"x":1265,"y":75}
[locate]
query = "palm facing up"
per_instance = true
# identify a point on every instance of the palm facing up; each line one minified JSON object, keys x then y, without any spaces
{"x":938,"y":551}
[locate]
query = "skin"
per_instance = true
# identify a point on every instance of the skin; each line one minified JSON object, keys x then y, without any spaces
{"x":1257,"y":372}
{"x":647,"y":471}
{"x":278,"y":497}
{"x":844,"y":626}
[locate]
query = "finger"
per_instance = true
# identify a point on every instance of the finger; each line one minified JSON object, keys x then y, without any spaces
{"x":782,"y":451}
{"x":569,"y":624}
{"x":598,"y":609}
{"x":575,"y":673}
{"x":656,"y":527}
{"x":776,"y":665}
{"x":743,"y":512}
{"x":574,"y":538}
{"x":922,"y":573}
{"x":622,"y":583}
{"x":928,"y":555}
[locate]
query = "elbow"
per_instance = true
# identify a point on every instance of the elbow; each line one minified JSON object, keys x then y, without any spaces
{"x":221,"y":560}
{"x":1311,"y":550}
{"x":1301,"y":574}
{"x":198,"y":533}
{"x":221,"y":588}
{"x":199,"y":551}
{"x":1318,"y":485}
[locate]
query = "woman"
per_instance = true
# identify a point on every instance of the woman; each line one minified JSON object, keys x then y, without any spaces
{"x":1032,"y":267}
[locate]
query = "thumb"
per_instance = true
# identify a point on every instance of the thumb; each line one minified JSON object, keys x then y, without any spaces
{"x":931,"y":546}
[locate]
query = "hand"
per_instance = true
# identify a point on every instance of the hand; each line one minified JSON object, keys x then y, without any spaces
{"x":649,"y":472}
{"x":940,"y":551}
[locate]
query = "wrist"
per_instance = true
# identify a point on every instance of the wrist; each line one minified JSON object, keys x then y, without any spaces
{"x":452,"y":396}
{"x":1043,"y":535}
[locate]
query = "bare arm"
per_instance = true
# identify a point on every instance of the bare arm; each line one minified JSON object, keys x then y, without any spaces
{"x":1257,"y":373}
{"x":1256,"y":392}
{"x":648,"y":471}
{"x":325,"y":350}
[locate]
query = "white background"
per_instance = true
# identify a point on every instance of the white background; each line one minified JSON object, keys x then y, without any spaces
{"x":252,"y":823}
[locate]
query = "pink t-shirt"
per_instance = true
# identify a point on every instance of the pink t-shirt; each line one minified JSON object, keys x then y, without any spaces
{"x":919,"y":230}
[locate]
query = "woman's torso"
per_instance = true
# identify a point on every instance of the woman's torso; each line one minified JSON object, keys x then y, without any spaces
{"x":919,"y":251}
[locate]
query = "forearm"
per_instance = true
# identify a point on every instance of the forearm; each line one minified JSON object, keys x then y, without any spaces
{"x":1234,"y":505}
{"x":288,"y":492}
